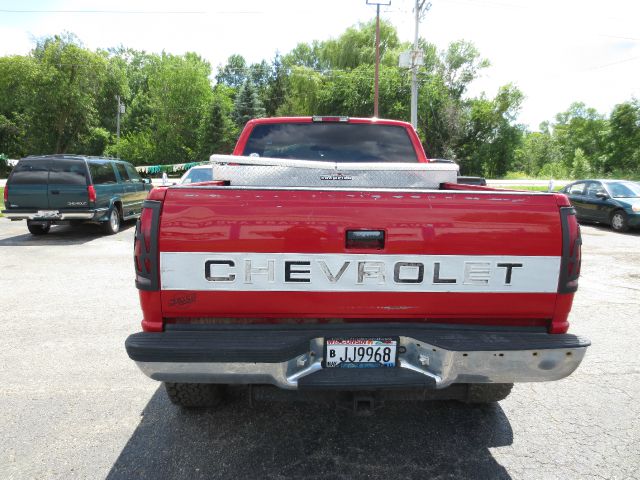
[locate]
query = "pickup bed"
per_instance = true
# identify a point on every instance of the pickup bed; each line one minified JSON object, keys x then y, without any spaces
{"x":307,"y":265}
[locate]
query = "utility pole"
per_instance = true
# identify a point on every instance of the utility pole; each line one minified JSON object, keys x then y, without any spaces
{"x":377,"y":3}
{"x":422,"y":6}
{"x":118,"y":118}
{"x":119,"y":111}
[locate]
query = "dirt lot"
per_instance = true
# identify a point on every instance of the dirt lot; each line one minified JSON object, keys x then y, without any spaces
{"x":74,"y":406}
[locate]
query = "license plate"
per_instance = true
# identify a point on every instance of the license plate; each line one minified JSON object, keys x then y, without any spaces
{"x":47,"y":213}
{"x":360,"y":352}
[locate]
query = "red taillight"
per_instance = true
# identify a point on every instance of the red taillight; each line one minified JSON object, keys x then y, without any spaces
{"x":92,"y":193}
{"x":145,"y":226}
{"x":6,"y":194}
{"x":145,"y":247}
{"x":571,"y":251}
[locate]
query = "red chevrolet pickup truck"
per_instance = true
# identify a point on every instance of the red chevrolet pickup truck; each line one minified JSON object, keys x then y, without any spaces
{"x":329,"y":256}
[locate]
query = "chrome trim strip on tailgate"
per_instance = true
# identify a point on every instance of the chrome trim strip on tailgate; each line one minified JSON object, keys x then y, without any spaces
{"x":310,"y":272}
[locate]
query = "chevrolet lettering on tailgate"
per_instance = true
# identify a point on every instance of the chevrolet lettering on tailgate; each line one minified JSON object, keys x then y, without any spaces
{"x":295,"y":272}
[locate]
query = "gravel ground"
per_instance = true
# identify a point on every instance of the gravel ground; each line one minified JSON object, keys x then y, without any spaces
{"x":74,"y":406}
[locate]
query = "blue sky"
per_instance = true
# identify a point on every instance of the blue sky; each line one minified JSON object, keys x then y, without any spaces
{"x":557,"y":52}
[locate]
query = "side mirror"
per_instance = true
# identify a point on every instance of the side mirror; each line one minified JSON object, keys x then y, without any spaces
{"x":602,"y":195}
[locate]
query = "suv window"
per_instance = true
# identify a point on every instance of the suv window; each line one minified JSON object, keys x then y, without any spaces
{"x":102,"y":173}
{"x":30,"y":172}
{"x":68,"y":172}
{"x":576,"y":189}
{"x":123,"y":173}
{"x":334,"y":142}
{"x":133,"y":174}
{"x":593,"y":188}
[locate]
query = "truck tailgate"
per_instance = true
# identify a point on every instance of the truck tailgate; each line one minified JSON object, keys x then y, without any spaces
{"x":283,"y":254}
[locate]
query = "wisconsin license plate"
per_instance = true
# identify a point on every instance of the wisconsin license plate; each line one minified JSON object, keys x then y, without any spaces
{"x":360,"y":352}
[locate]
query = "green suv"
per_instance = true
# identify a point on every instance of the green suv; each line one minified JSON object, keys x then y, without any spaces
{"x":55,"y":189}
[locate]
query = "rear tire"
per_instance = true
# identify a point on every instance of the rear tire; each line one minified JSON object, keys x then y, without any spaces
{"x":38,"y":228}
{"x":483,"y":393}
{"x":619,"y":221}
{"x":194,"y":395}
{"x":112,"y":225}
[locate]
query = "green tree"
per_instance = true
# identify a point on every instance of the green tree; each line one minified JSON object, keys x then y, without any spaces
{"x":4,"y":166}
{"x":356,"y":47}
{"x":460,"y":65}
{"x":217,"y":132}
{"x":580,"y":167}
{"x":491,"y":136}
{"x":179,"y":92}
{"x":304,"y":86}
{"x":234,"y":73}
{"x":138,"y":148}
{"x":68,"y":82}
{"x":582,"y":128}
{"x":536,"y":150}
{"x":623,"y":139}
{"x":443,"y":115}
{"x":247,"y":104}
{"x":304,"y":55}
{"x":94,"y":142}
{"x":17,"y":94}
{"x":277,"y":86}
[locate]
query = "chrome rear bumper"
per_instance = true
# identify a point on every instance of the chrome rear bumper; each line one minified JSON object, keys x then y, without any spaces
{"x":420,"y":364}
{"x":54,"y":217}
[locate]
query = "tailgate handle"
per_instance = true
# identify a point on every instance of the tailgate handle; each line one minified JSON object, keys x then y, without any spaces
{"x":55,"y":192}
{"x":371,"y":239}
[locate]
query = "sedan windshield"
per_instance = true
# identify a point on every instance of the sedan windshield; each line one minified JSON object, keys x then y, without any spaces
{"x":624,"y":189}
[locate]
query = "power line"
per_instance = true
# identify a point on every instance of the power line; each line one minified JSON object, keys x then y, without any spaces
{"x":140,"y":12}
{"x":618,"y":37}
{"x":611,"y":64}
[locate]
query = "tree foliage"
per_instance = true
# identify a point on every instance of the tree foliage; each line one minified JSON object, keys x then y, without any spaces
{"x":62,"y":98}
{"x":247,"y":104}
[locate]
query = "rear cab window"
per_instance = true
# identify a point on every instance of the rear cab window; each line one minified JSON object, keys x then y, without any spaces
{"x":332,"y":142}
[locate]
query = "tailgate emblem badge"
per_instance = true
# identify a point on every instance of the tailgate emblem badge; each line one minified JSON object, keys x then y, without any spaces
{"x":336,"y":176}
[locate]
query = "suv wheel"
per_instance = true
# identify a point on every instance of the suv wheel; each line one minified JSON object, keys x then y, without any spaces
{"x":112,"y":225}
{"x":619,"y":221}
{"x":194,"y":395}
{"x":38,"y":228}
